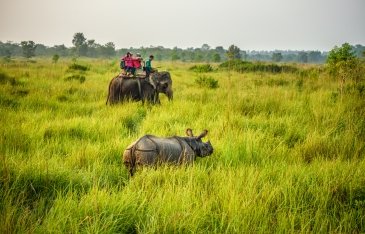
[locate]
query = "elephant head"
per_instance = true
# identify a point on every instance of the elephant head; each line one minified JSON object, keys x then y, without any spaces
{"x":162,"y":82}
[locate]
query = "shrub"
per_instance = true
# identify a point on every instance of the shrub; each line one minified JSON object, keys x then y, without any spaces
{"x":78,"y":67}
{"x":207,"y":81}
{"x":279,"y":82}
{"x":78,"y":77}
{"x":245,"y":66}
{"x":5,"y":78}
{"x":201,"y":68}
{"x":55,"y":58}
{"x":342,"y":64}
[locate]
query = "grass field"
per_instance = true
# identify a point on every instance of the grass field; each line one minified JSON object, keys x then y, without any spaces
{"x":289,"y":153}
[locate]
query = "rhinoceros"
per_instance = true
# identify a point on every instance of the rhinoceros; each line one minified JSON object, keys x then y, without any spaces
{"x":153,"y":150}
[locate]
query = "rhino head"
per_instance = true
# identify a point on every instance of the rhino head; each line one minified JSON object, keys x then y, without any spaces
{"x":200,"y":148}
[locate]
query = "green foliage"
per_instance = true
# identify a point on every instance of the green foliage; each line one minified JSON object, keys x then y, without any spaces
{"x":277,"y":57}
{"x":108,"y":50}
{"x":79,"y":41}
{"x":55,"y":58}
{"x":207,"y":81}
{"x":340,"y":54}
{"x":77,"y":67}
{"x":216,"y":58}
{"x":344,"y":65}
{"x":5,"y":78}
{"x":80,"y":78}
{"x":233,"y":53}
{"x":175,"y":54}
{"x":288,"y":155}
{"x":28,"y":48}
{"x":245,"y":66}
{"x":303,"y":57}
{"x":201,"y":68}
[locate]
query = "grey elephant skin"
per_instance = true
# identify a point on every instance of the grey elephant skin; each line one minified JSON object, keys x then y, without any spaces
{"x":153,"y":150}
{"x":140,"y":89}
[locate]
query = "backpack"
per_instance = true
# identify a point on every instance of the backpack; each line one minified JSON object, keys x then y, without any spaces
{"x":122,"y":64}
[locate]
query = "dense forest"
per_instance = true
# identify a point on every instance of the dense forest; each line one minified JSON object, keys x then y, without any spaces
{"x":83,"y":47}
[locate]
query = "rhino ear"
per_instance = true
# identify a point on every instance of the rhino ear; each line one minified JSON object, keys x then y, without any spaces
{"x":203,"y":134}
{"x":189,"y":132}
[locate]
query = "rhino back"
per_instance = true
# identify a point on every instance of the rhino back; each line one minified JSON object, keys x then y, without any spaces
{"x":163,"y":150}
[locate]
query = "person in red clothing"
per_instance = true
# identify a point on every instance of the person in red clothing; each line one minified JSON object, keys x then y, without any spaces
{"x":137,"y":63}
{"x":128,"y":63}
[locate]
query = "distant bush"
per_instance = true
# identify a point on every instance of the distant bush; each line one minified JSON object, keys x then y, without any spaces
{"x":78,"y":67}
{"x":207,"y":81}
{"x":5,"y":78}
{"x":78,"y":77}
{"x":55,"y":58}
{"x":201,"y":68}
{"x":245,"y":66}
{"x":343,"y":65}
{"x":279,"y":82}
{"x":8,"y":102}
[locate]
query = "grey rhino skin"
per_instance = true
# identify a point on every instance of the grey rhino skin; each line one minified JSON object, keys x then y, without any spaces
{"x":152,"y":150}
{"x":140,"y":89}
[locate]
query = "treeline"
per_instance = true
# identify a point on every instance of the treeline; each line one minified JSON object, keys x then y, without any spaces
{"x":90,"y":48}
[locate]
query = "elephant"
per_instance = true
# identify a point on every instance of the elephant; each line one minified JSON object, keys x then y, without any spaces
{"x":140,"y":89}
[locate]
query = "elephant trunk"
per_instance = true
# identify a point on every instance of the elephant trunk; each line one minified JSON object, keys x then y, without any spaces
{"x":170,"y":95}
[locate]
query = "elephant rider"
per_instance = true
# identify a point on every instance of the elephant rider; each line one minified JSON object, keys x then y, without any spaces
{"x":128,"y":63}
{"x":148,"y":66}
{"x":137,"y":63}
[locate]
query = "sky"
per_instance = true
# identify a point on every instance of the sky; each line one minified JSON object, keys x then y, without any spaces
{"x":248,"y":24}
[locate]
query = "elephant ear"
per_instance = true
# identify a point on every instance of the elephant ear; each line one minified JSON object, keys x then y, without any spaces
{"x":152,"y":81}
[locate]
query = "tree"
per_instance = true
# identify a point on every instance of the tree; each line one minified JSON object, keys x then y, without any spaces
{"x":358,"y":50}
{"x":40,"y":50}
{"x":314,"y":56}
{"x":220,"y":49}
{"x":277,"y":57}
{"x":92,"y":48}
{"x":174,"y":54}
{"x":28,"y":48}
{"x":344,"y":65}
{"x":216,"y":58}
{"x":182,"y":56}
{"x":61,"y":50}
{"x":340,"y":54}
{"x":303,"y":57}
{"x":79,"y":41}
{"x":233,"y":52}
{"x":205,"y":47}
{"x":109,"y":49}
{"x":244,"y":55}
{"x":55,"y":58}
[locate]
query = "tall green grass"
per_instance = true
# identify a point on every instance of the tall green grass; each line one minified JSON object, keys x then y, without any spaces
{"x":289,"y":153}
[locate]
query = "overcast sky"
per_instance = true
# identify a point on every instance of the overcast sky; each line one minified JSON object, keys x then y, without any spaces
{"x":249,"y":24}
